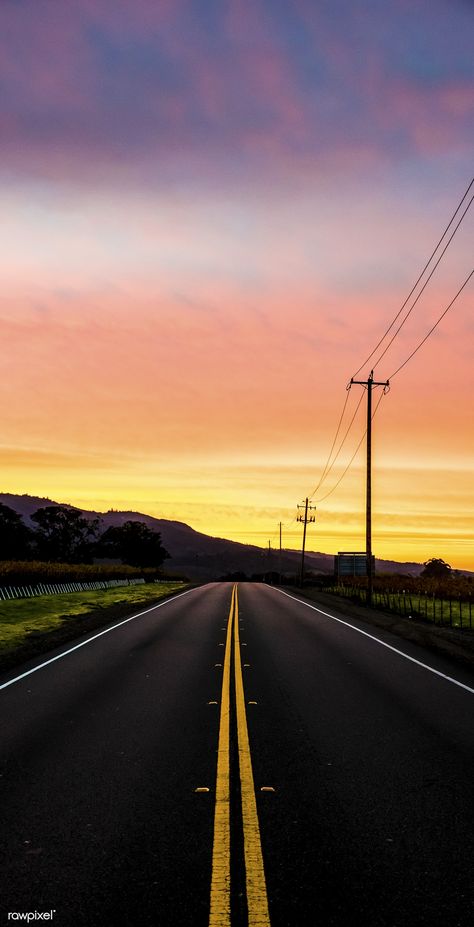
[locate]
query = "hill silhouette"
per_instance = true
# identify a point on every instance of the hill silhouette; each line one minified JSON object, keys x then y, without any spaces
{"x":200,"y":556}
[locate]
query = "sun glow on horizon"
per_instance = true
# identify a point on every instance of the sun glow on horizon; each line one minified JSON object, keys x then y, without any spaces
{"x":245,"y":503}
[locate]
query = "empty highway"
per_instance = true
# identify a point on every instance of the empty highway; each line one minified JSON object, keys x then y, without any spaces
{"x":238,"y":756}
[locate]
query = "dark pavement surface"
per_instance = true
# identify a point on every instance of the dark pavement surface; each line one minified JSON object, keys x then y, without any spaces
{"x":369,"y":754}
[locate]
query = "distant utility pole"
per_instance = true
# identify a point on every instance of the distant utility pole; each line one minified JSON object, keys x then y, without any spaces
{"x":369,"y":383}
{"x":305,"y":519}
{"x":279,"y":562}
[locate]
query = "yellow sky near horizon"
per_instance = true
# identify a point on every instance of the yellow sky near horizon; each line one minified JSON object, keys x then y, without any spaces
{"x":418,"y":512}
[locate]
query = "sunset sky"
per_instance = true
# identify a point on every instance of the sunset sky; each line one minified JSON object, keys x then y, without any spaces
{"x":211,"y":212}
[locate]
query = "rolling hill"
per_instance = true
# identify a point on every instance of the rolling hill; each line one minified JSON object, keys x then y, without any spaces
{"x":200,"y":556}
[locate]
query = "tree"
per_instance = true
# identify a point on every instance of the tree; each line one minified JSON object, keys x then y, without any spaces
{"x":134,"y":543}
{"x":436,"y":569}
{"x":15,"y":537}
{"x":64,"y":535}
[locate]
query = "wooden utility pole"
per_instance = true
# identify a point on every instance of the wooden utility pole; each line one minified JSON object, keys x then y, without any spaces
{"x":369,"y":383}
{"x":279,"y":570}
{"x":305,"y":519}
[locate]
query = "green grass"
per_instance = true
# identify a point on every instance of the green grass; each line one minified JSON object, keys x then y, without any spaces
{"x":437,"y":610}
{"x":25,"y":620}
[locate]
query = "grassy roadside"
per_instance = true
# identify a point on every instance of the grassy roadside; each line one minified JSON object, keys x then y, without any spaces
{"x":452,"y":642}
{"x":31,"y":626}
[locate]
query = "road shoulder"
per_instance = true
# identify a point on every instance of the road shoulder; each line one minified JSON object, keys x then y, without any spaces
{"x":74,"y":628}
{"x":450,"y":642}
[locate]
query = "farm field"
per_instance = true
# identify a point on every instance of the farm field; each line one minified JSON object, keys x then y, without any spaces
{"x":17,"y":572}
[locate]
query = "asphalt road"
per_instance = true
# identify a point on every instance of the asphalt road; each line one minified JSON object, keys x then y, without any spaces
{"x":364,"y":754}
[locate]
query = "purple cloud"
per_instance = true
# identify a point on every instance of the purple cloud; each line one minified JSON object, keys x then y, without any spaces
{"x":104,"y":85}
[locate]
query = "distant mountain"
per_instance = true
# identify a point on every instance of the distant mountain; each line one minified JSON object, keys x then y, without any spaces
{"x":200,"y":556}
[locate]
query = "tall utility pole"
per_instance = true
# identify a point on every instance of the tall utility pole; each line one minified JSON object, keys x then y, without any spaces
{"x":369,"y":383}
{"x":305,"y":519}
{"x":279,"y":571}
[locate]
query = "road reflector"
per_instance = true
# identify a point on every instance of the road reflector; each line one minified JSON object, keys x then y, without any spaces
{"x":246,"y":664}
{"x":201,"y":790}
{"x":217,"y":664}
{"x":267,"y":788}
{"x":212,"y":703}
{"x":242,"y":644}
{"x":251,"y":703}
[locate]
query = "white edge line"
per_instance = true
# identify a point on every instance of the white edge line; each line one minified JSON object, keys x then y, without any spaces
{"x":59,"y":656}
{"x":382,"y":643}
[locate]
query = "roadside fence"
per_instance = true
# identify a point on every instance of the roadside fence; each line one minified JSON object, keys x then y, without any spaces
{"x":26,"y":592}
{"x":449,"y":612}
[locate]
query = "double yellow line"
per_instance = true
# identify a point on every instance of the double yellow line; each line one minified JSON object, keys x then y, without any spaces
{"x":257,"y":903}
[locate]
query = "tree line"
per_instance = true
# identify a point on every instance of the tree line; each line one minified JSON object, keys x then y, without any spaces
{"x":62,"y":535}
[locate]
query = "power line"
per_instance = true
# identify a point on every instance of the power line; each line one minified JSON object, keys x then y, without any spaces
{"x":340,"y":446}
{"x":345,"y":471}
{"x":330,"y":463}
{"x":433,"y":327}
{"x":421,"y":275}
{"x":422,"y":342}
{"x":334,"y":442}
{"x":423,"y":287}
{"x":353,"y":456}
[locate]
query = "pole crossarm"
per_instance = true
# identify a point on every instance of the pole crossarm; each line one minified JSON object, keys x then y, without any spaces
{"x":306,"y":519}
{"x":368,"y":384}
{"x":385,"y":383}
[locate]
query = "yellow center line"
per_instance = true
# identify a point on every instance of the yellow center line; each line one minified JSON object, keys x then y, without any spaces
{"x":220,"y":880}
{"x":257,"y":902}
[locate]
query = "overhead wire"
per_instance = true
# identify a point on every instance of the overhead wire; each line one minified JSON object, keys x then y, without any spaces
{"x":421,"y":274}
{"x":340,"y":446}
{"x":328,"y":467}
{"x":402,"y":323}
{"x":333,"y":443}
{"x":405,"y":362}
{"x":353,"y":456}
{"x":410,"y":356}
{"x":330,"y":463}
{"x":421,"y":343}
